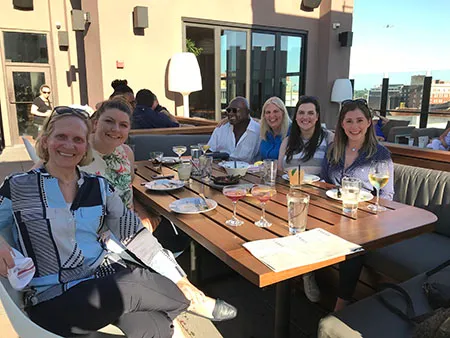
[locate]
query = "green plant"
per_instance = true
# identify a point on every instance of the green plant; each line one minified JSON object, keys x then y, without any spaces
{"x":192,"y":48}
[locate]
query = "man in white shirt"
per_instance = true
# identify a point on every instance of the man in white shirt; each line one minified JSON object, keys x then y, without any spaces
{"x":239,"y":137}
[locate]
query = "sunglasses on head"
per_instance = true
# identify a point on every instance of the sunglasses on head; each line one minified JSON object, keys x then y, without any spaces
{"x":63,"y":110}
{"x":232,"y":110}
{"x":357,"y":101}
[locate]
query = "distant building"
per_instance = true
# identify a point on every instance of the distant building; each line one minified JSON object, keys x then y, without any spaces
{"x":397,"y":93}
{"x":440,"y":92}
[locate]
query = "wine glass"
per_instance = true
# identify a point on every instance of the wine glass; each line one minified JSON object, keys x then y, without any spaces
{"x":179,"y":150}
{"x":204,"y":147}
{"x":234,"y":193}
{"x":378,"y":177}
{"x":263,"y":193}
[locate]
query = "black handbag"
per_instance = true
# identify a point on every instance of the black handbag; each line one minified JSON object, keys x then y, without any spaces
{"x":436,"y":323}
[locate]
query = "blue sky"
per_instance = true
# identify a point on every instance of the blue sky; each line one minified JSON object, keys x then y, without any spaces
{"x":401,"y":38}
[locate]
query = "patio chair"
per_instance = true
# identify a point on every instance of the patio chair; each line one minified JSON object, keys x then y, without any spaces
{"x":30,"y":150}
{"x":26,"y":328}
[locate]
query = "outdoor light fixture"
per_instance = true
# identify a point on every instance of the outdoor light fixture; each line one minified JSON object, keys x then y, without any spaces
{"x":184,"y":77}
{"x":309,"y":5}
{"x":342,"y":90}
{"x":346,"y":39}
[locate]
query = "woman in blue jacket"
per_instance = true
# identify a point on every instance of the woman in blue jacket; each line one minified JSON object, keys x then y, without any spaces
{"x":275,"y":124}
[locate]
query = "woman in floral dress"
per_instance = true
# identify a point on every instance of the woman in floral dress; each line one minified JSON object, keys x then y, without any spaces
{"x":112,"y":158}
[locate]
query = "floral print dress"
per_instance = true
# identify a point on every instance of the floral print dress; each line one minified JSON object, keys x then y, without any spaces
{"x":116,"y":168}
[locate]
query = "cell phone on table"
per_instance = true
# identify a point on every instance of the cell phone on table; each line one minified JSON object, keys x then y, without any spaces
{"x":157,"y":177}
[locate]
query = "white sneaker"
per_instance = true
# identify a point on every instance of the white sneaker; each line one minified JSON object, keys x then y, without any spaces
{"x":311,"y":289}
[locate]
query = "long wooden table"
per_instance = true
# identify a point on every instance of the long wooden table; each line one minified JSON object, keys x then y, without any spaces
{"x":366,"y":228}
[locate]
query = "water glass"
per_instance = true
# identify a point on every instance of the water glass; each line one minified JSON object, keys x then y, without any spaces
{"x":206,"y":167}
{"x":184,"y":171}
{"x":195,"y":158}
{"x":297,"y":203}
{"x":269,"y":172}
{"x":350,"y":190}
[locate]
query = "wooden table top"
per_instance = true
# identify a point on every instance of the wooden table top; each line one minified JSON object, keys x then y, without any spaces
{"x":368,"y":229}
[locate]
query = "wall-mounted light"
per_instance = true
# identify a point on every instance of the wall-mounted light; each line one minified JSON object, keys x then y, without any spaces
{"x":63,"y":40}
{"x":140,"y":17}
{"x":346,"y":39}
{"x":309,"y":5}
{"x":24,"y":5}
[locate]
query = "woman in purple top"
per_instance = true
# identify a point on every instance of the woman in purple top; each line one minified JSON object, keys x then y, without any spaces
{"x":354,"y":148}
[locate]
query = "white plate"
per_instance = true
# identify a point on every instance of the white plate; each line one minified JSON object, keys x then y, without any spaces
{"x":364,"y":195}
{"x":164,"y":185}
{"x":170,"y":160}
{"x":192,"y":205}
{"x":306,"y":179}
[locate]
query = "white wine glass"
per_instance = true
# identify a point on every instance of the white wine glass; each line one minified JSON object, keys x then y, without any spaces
{"x":179,"y":150}
{"x":378,"y":177}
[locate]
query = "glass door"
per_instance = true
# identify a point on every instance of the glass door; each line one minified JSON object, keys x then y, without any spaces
{"x":23,"y":87}
{"x":276,"y":69}
{"x":233,"y":65}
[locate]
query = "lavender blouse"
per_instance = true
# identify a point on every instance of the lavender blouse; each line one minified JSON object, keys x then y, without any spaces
{"x":360,"y":169}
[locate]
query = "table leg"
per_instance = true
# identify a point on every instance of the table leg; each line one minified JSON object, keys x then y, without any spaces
{"x":282,"y":309}
{"x":194,"y":266}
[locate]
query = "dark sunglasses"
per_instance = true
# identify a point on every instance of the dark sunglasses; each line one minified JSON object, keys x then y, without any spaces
{"x":357,"y":101}
{"x":63,"y":110}
{"x":45,"y":92}
{"x":232,"y":110}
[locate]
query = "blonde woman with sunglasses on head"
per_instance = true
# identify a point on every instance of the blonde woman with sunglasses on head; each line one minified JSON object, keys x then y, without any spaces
{"x":57,"y":215}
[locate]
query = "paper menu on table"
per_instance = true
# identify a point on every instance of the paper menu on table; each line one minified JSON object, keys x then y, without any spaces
{"x":305,"y":248}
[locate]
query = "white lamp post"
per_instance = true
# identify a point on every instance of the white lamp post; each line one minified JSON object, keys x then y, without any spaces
{"x":184,"y":77}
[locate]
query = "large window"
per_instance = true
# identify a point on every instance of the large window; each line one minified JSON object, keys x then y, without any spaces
{"x":256,"y":64}
{"x":25,"y":47}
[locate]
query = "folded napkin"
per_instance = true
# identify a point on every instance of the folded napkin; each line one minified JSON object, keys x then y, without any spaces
{"x":21,"y":274}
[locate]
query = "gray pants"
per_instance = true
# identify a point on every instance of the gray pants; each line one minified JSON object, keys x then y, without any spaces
{"x":141,"y":303}
{"x":332,"y":327}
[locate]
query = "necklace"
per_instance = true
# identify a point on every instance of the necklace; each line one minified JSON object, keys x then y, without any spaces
{"x":353,"y":149}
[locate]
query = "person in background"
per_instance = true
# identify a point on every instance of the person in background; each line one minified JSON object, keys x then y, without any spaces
{"x":382,"y":120}
{"x":441,"y":143}
{"x":275,"y":124}
{"x":144,"y":117}
{"x":57,"y":215}
{"x":160,"y":109}
{"x":121,"y":88}
{"x":351,"y":154}
{"x":41,"y":106}
{"x":240,"y":136}
{"x":307,"y":142}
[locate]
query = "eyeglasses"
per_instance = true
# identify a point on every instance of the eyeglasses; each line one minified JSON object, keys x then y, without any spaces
{"x":232,"y":110}
{"x":45,"y":92}
{"x":63,"y":110}
{"x":357,"y":101}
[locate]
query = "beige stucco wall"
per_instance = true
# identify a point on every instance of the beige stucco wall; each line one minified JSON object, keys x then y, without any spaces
{"x":146,"y":57}
{"x":42,"y":20}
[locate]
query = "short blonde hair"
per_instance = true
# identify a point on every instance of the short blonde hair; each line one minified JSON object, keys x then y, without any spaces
{"x":49,"y":127}
{"x":284,"y":123}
